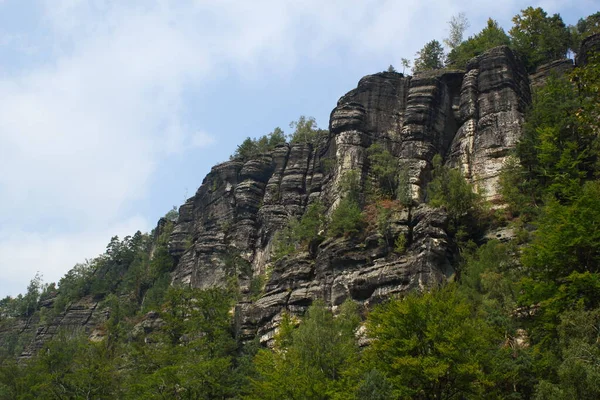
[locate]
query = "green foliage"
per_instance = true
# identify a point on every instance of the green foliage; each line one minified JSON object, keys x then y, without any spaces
{"x":67,"y":367}
{"x":309,"y":362}
{"x":400,"y":244}
{"x":449,"y":189}
{"x":579,"y":370}
{"x":299,"y":233}
{"x":430,"y":57}
{"x":347,"y":219}
{"x":385,"y":168}
{"x":306,"y":131}
{"x":585,"y":27}
{"x":517,"y":192}
{"x":555,"y":151}
{"x":252,"y":148}
{"x":567,"y":237}
{"x":491,"y":36}
{"x":405,"y":64}
{"x":538,"y":37}
{"x":391,"y":68}
{"x":429,"y":346}
{"x":172,"y":215}
{"x":195,"y":355}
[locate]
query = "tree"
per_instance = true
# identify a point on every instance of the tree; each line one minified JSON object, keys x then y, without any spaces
{"x":429,"y":346}
{"x":538,"y":37}
{"x":251,"y":148}
{"x":585,"y":27}
{"x":172,"y":215}
{"x":430,"y":57}
{"x":306,"y":131}
{"x":579,"y":369}
{"x":567,"y":238}
{"x":309,"y":362}
{"x":347,"y":218}
{"x":490,"y":36}
{"x":458,"y":25}
{"x":391,"y":68}
{"x":558,"y":148}
{"x":385,"y":168}
{"x":405,"y":64}
{"x":449,"y":189}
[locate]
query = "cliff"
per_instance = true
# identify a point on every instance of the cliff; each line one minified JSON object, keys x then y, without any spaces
{"x":473,"y":118}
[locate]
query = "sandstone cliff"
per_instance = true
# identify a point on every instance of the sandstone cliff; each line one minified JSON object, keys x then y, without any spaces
{"x":472,"y":118}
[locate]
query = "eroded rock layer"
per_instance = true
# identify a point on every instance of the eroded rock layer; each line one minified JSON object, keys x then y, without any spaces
{"x":472,"y":118}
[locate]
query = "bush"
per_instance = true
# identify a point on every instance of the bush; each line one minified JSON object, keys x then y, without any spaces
{"x":449,"y":189}
{"x":347,"y":219}
{"x":299,"y":233}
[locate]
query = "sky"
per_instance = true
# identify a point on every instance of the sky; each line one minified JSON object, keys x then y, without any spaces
{"x":113,"y":111}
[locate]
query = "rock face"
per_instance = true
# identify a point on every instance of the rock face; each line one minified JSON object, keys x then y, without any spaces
{"x":472,"y":118}
{"x":589,"y":45}
{"x":82,"y":316}
{"x":494,"y":95}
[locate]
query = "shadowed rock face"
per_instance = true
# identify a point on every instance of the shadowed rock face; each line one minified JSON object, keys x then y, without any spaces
{"x":82,"y":316}
{"x":589,"y":45}
{"x":472,"y":118}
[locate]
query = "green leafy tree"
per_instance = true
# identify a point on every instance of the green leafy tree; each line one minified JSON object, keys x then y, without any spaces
{"x":385,"y":168}
{"x":347,"y":218}
{"x":429,"y":346}
{"x":579,"y":369}
{"x":430,"y":57}
{"x":252,"y":148}
{"x":306,"y":131}
{"x":540,"y":38}
{"x":491,"y":36}
{"x":449,"y":189}
{"x":195,"y":356}
{"x":309,"y":362}
{"x":557,"y":149}
{"x":299,"y":233}
{"x":567,"y":238}
{"x":172,"y":215}
{"x":585,"y":27}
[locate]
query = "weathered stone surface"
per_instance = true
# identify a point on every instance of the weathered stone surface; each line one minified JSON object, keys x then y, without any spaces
{"x":493,"y":98}
{"x":589,"y":45}
{"x":83,"y":315}
{"x":471,"y":118}
{"x":558,"y":68}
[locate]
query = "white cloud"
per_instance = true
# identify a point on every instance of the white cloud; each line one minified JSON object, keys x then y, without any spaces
{"x":82,"y":134}
{"x":24,"y":253}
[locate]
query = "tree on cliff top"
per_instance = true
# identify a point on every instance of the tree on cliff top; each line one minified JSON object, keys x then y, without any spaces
{"x":490,"y":36}
{"x":458,"y":25}
{"x":430,"y":57}
{"x":538,"y":37}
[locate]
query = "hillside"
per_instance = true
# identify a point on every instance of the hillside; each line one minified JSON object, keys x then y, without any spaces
{"x":468,"y":191}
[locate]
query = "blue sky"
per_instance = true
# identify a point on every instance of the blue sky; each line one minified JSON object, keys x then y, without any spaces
{"x":111,"y":112}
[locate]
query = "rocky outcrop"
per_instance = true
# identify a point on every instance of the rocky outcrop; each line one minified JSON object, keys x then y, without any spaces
{"x":494,"y":97}
{"x":589,"y":45}
{"x":81,"y":316}
{"x":543,"y":72}
{"x":472,"y":118}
